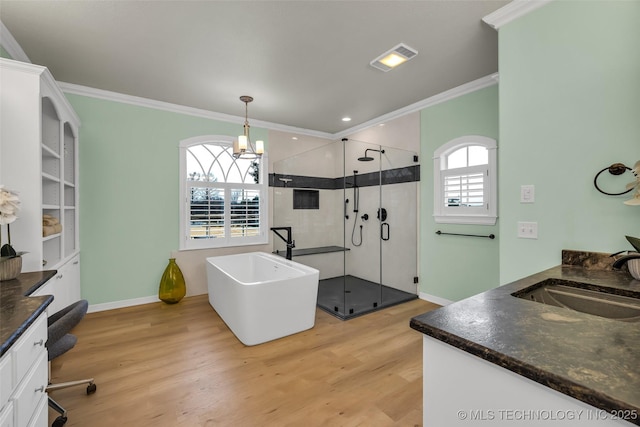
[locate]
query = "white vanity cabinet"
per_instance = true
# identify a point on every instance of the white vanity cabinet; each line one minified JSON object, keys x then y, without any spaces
{"x":461,"y":389}
{"x":39,"y":160}
{"x":23,"y":372}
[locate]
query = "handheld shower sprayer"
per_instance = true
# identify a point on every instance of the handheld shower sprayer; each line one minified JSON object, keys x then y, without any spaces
{"x":356,"y":193}
{"x":356,"y":202}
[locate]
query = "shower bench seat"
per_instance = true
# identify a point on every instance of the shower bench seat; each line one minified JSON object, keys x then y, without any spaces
{"x":313,"y":251}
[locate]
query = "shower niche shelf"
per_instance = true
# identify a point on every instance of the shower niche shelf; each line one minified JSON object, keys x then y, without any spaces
{"x":306,"y":199}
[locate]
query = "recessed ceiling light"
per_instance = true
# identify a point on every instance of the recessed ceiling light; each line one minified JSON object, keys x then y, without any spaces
{"x":394,"y":57}
{"x":346,"y":119}
{"x":295,"y":138}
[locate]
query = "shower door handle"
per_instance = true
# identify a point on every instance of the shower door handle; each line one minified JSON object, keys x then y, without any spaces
{"x":384,"y":227}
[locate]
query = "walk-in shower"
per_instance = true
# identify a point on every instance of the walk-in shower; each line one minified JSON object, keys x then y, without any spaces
{"x":354,"y":218}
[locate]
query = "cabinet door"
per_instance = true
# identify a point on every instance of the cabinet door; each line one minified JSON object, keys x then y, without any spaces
{"x":52,"y":178}
{"x":70,"y":190}
{"x":49,"y":289}
{"x":72,"y":279}
{"x":6,"y":379}
{"x":6,"y":416}
{"x":29,"y":347}
{"x":67,"y":283}
{"x":31,"y":391}
{"x":64,"y":286}
{"x":40,"y":417}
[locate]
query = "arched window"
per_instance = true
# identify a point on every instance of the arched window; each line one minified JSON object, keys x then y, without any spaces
{"x":223,"y":199}
{"x":465,"y":180}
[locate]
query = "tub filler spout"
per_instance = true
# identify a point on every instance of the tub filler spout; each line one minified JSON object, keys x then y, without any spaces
{"x":288,"y":240}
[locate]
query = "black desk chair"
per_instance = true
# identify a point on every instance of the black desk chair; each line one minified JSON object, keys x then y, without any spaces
{"x":59,"y":341}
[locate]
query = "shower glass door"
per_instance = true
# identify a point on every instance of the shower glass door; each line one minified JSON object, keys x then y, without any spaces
{"x":381,"y":184}
{"x":400,"y":173}
{"x":362,"y":278}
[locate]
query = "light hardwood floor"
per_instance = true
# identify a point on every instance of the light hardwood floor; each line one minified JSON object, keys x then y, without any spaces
{"x":179,"y":365}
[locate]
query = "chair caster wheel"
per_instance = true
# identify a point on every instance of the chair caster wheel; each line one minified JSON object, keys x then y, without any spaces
{"x":91,"y":388}
{"x":59,"y":422}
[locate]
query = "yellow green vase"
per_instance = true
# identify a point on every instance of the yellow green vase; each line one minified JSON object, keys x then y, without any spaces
{"x":172,"y":286}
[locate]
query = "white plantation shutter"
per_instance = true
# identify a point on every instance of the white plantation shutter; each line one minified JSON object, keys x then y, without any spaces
{"x":224,"y":199}
{"x":245,"y":213}
{"x":464,"y":187}
{"x":206,"y":207}
{"x":466,"y":192}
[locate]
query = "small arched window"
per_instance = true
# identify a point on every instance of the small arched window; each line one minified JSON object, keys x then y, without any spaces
{"x":465,"y":179}
{"x":224,"y":199}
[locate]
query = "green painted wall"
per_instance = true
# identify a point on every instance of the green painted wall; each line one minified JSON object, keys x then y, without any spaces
{"x":569,"y":106}
{"x":129,"y":204}
{"x":453,"y":267}
{"x":4,"y":53}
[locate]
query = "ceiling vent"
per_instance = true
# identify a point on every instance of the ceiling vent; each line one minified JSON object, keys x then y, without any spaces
{"x":394,"y":57}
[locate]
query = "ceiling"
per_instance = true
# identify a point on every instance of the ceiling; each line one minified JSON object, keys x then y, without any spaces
{"x":306,"y":63}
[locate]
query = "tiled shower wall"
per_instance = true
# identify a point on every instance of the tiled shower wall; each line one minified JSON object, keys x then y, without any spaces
{"x":392,"y":262}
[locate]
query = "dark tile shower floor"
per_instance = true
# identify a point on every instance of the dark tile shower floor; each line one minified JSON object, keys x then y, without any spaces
{"x":358,"y":295}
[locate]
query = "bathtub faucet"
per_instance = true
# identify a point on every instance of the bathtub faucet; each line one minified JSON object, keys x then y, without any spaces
{"x":288,"y":240}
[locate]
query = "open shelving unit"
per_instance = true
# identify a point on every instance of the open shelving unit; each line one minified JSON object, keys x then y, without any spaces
{"x":39,"y":161}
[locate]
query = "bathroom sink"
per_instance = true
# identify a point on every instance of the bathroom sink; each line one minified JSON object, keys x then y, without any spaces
{"x":570,"y":295}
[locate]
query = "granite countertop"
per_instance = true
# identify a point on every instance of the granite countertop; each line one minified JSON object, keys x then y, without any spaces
{"x":593,"y":359}
{"x":17,"y":310}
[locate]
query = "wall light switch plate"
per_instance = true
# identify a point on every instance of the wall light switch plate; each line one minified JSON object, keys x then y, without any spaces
{"x":527,"y":230}
{"x":527,"y":193}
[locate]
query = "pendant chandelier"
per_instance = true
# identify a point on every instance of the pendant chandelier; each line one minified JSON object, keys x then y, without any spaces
{"x":243,"y":147}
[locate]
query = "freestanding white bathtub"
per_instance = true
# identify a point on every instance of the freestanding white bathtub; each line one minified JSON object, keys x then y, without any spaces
{"x":261,"y":296}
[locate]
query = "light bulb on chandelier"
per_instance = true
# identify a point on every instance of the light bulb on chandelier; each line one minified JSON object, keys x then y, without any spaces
{"x":243,"y":147}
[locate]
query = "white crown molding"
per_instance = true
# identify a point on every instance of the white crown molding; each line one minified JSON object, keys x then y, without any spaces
{"x":448,"y":95}
{"x":512,"y":11}
{"x":11,"y":45}
{"x":181,"y":109}
{"x":461,"y":90}
{"x":25,"y":67}
{"x":47,"y":80}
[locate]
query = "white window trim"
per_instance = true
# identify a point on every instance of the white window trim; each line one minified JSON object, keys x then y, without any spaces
{"x":190,"y":244}
{"x":486,"y":216}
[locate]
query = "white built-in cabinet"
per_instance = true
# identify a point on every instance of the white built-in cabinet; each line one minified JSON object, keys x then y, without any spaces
{"x":39,"y":160}
{"x":64,"y":286}
{"x":24,"y":378}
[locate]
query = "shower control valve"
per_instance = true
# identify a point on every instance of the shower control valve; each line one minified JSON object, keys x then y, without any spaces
{"x":365,"y":217}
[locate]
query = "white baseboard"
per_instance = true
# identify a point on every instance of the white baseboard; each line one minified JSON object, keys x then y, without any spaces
{"x":434,"y":299}
{"x":122,"y":304}
{"x":93,"y":308}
